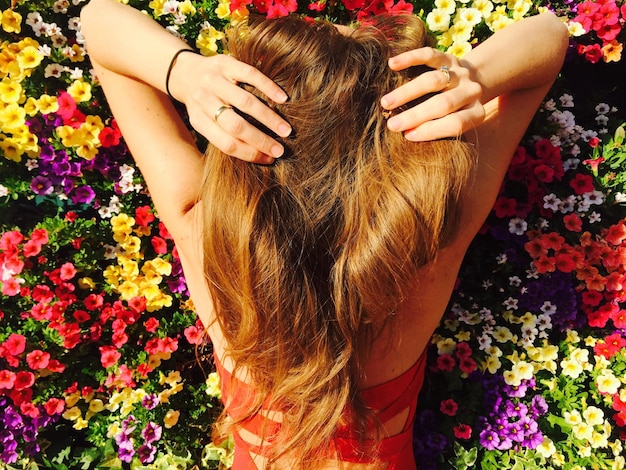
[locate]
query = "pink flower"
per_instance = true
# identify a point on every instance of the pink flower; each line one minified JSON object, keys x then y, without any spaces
{"x":109,"y":356}
{"x":151,"y":324}
{"x":11,"y":287}
{"x":37,"y":359}
{"x":7,"y":379}
{"x":68,"y":271}
{"x":54,"y":406}
{"x":194,"y":335}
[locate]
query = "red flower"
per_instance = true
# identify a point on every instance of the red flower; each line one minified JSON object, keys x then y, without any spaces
{"x":24,"y":379}
{"x":616,"y":234}
{"x":445,"y":363}
{"x":544,"y":173}
{"x":54,"y":406}
{"x":30,"y":410}
{"x":93,"y":302}
{"x":109,"y":137}
{"x":573,"y":223}
{"x":467,"y":365}
{"x":144,"y":216}
{"x":159,"y":245}
{"x":505,"y":207}
{"x":619,"y":318}
{"x":582,"y":184}
{"x":37,"y":359}
{"x":137,"y":304}
{"x":15,"y":344}
{"x":449,"y":407}
{"x":152,"y":324}
{"x":462,"y":431}
{"x":109,"y":356}
{"x":593,"y":53}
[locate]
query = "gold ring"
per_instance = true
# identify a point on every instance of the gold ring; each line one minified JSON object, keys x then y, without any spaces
{"x":220,"y":110}
{"x":446,"y":71}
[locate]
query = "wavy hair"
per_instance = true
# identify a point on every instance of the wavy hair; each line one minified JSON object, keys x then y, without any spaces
{"x":307,"y":258}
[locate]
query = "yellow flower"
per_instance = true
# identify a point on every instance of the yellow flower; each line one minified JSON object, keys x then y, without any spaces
{"x":13,"y":116}
{"x":11,"y":21}
{"x":76,"y":53}
{"x":96,"y":405}
{"x":80,"y":423}
{"x":223,"y":9}
{"x":12,"y":149}
{"x":131,"y":244}
{"x":72,"y":413}
{"x":608,"y":383}
{"x":449,"y":6}
{"x":87,"y":150}
{"x":593,"y":415}
{"x":80,"y":91}
{"x":485,"y":7}
{"x":113,"y":430}
{"x":213,"y":385}
{"x":461,"y":31}
{"x":572,"y":337}
{"x":575,"y":29}
{"x":72,"y":399}
{"x":571,"y":368}
{"x":446,"y":346}
{"x":582,"y":431}
{"x":572,"y":417}
{"x":547,"y":448}
{"x":128,"y":290}
{"x":29,"y":58}
{"x":86,"y":283}
{"x":463,"y":336}
{"x":10,"y":91}
{"x":438,"y":20}
{"x":187,"y":8}
{"x":492,"y":364}
{"x":207,"y":41}
{"x":157,"y":6}
{"x":470,"y":15}
{"x":598,"y":440}
{"x":171,"y":418}
{"x":612,"y":51}
{"x":502,"y":334}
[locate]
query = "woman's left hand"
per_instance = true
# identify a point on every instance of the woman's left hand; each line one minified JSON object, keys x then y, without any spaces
{"x":454,"y":109}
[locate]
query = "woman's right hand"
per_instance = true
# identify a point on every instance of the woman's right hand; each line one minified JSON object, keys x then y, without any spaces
{"x":455,"y":107}
{"x":209,"y":87}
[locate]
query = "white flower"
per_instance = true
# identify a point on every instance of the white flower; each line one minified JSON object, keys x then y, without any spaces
{"x":571,"y":163}
{"x":438,"y":20}
{"x":31,"y":164}
{"x":518,"y":226}
{"x":594,"y":197}
{"x":34,"y":19}
{"x":4,"y":191}
{"x":568,"y":204}
{"x":551,"y":201}
{"x":594,"y":217}
{"x":588,"y":134}
{"x":515,"y":281}
{"x":548,"y":308}
{"x":567,"y":100}
{"x":602,"y":120}
{"x":603,"y":108}
{"x":510,"y":303}
{"x":74,"y":23}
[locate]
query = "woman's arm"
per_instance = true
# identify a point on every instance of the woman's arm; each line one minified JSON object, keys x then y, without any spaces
{"x":524,"y":55}
{"x":129,"y":43}
{"x":130,"y":54}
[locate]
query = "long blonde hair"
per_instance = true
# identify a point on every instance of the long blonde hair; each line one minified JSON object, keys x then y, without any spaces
{"x":306,"y":258}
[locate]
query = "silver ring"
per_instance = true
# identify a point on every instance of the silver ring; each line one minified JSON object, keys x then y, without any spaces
{"x":446,"y":71}
{"x":220,"y":110}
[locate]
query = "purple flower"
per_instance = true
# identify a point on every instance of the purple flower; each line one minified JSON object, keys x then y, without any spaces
{"x":146,"y":453}
{"x":489,"y":439}
{"x":41,"y":185}
{"x":150,"y":401}
{"x":126,"y":451}
{"x":151,"y":433}
{"x":538,"y":405}
{"x":83,"y":195}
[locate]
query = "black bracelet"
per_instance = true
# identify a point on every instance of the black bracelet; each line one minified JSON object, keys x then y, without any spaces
{"x":169,"y":71}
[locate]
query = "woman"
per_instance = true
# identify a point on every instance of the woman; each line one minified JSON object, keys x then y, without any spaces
{"x":321,"y":278}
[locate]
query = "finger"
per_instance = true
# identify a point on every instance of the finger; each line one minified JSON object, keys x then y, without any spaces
{"x":452,"y":125}
{"x":434,"y":108}
{"x":422,"y":56}
{"x":427,"y":82}
{"x":248,"y":103}
{"x":220,"y":133}
{"x":240,"y":129}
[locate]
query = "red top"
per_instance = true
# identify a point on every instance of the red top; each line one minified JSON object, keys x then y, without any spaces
{"x":387,"y":400}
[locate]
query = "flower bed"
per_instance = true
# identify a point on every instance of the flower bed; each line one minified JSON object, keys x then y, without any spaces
{"x":102,"y":359}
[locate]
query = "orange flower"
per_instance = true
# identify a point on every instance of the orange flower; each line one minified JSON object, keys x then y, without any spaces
{"x":612,"y":51}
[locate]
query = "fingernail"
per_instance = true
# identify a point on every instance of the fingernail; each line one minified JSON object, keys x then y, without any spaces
{"x":386,"y":102}
{"x":280,"y":97}
{"x":284,"y":130}
{"x":277,"y":151}
{"x":393,"y":124}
